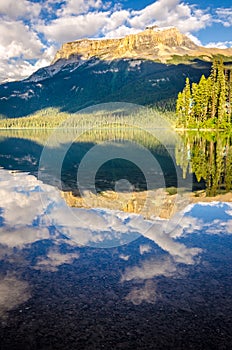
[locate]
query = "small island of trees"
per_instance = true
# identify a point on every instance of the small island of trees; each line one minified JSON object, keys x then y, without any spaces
{"x":208,"y":104}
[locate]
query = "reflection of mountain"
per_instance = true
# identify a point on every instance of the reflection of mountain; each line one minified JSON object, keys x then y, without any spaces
{"x":209,"y":157}
{"x":157,"y":203}
{"x":32,"y":211}
{"x":21,"y":150}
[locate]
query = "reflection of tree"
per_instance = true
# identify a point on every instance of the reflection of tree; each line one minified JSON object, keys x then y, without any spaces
{"x":209,"y":157}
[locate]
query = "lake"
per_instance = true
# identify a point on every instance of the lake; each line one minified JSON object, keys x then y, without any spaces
{"x":115,"y":238}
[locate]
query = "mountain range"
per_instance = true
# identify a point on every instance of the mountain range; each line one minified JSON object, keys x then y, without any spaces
{"x":147,"y":68}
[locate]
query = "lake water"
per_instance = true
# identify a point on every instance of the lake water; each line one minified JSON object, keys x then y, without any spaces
{"x":115,"y":239}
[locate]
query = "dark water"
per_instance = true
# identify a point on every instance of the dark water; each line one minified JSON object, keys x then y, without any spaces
{"x":77,"y":278}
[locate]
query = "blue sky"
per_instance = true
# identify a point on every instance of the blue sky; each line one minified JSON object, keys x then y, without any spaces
{"x":32,"y":30}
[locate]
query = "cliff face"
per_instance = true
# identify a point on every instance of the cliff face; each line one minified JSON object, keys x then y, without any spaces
{"x":143,"y":44}
{"x":153,"y":43}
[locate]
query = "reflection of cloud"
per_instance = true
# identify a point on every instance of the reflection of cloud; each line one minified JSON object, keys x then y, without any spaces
{"x":29,"y":219}
{"x":146,"y":293}
{"x":229,"y":212}
{"x":26,"y":218}
{"x":23,"y":209}
{"x":22,"y":236}
{"x":13,"y":292}
{"x":177,"y":250}
{"x":144,"y":248}
{"x":229,"y":226}
{"x":206,"y":218}
{"x":18,"y":205}
{"x":149,"y":269}
{"x":124,"y":257}
{"x":55,"y":259}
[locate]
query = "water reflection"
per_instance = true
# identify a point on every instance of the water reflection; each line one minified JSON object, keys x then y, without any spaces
{"x":38,"y":211}
{"x":106,"y":274}
{"x":25,"y":220}
{"x":209,"y":157}
{"x":51,"y":279}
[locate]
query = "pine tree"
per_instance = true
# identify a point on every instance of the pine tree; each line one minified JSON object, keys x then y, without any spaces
{"x":187,"y":101}
{"x":180,"y":109}
{"x":221,"y":102}
{"x":207,"y":103}
{"x":214,"y":91}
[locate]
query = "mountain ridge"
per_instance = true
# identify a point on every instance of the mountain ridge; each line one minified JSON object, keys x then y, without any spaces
{"x":153,"y":43}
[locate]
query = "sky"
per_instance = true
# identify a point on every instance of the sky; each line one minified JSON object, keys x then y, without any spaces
{"x":33,"y":30}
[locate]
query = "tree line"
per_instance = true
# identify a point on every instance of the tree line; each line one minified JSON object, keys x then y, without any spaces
{"x":207,"y":104}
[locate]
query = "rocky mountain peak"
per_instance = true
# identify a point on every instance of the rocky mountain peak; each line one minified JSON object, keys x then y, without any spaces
{"x":146,"y":44}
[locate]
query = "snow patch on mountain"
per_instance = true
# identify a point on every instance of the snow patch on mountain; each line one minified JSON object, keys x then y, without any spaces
{"x":50,"y":71}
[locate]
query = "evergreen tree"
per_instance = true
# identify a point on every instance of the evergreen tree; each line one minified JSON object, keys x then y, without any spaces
{"x":221,"y":100}
{"x":208,"y":103}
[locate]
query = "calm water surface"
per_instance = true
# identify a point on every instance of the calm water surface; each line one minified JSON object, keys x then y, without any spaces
{"x":91,"y":276}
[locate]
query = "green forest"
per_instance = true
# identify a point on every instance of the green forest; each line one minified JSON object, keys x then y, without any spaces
{"x":52,"y":117}
{"x":207,"y":104}
{"x":203,"y":105}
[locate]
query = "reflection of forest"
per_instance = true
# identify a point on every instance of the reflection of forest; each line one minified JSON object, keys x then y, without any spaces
{"x":209,"y":157}
{"x":128,"y":132}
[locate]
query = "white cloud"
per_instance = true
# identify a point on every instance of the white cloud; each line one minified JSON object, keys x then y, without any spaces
{"x":18,"y":40}
{"x":120,"y":32}
{"x":220,"y":44}
{"x":229,"y":226}
{"x":15,"y":9}
{"x":70,"y":28}
{"x":76,"y":7}
{"x":194,"y":39}
{"x":224,"y":16}
{"x":17,"y":69}
{"x":171,"y":13}
{"x":116,"y":20}
{"x":25,"y":200}
{"x":74,"y":21}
